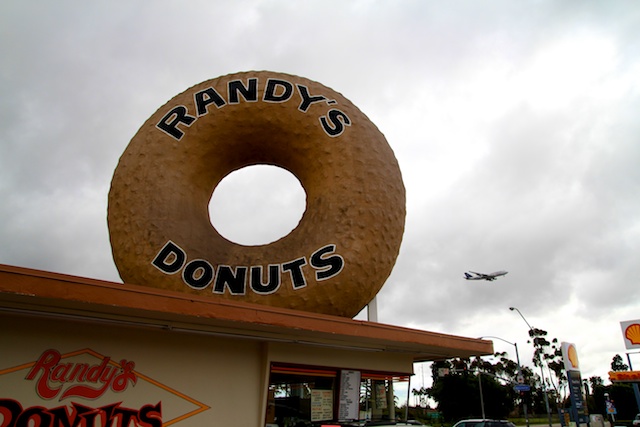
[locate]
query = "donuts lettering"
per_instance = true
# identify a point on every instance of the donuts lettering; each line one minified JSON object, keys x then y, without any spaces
{"x":199,"y":273}
{"x":333,"y":262}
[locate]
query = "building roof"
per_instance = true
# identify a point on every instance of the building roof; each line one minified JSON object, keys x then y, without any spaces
{"x":40,"y":293}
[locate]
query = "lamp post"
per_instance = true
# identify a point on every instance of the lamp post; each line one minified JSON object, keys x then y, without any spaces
{"x":544,"y":386}
{"x":481,"y":397}
{"x":524,"y":403}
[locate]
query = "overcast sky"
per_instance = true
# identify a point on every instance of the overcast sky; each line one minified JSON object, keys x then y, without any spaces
{"x":515,"y":123}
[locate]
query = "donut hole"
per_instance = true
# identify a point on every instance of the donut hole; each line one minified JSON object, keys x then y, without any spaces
{"x":257,"y":205}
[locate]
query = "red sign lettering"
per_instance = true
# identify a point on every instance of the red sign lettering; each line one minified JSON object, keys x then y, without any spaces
{"x":94,"y":380}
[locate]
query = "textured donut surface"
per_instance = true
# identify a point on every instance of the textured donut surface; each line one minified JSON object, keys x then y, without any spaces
{"x":345,"y":246}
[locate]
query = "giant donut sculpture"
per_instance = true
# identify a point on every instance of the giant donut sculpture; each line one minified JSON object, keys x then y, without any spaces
{"x":345,"y":246}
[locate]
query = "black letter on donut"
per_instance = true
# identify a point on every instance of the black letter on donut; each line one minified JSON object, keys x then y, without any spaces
{"x":256,"y":280}
{"x":332,"y":265}
{"x":236,"y":282}
{"x":206,"y":97}
{"x":295,"y":269}
{"x":270,"y":91}
{"x":338,"y":120}
{"x":198,"y":274}
{"x":169,"y":249}
{"x":179,"y":115}
{"x":249,"y":93}
{"x":306,"y":99}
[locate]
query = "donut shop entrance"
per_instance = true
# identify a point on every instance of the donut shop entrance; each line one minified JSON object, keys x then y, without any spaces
{"x":298,"y":394}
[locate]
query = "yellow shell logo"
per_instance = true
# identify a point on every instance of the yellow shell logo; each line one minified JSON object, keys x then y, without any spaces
{"x":632,"y":333}
{"x":572,"y":354}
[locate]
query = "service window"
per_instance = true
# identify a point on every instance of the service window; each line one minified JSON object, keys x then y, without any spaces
{"x":378,"y":396}
{"x":301,"y":396}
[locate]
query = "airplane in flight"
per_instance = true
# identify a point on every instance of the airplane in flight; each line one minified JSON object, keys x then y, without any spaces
{"x":472,"y":275}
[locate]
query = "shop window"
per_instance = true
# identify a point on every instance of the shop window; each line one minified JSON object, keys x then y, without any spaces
{"x":301,"y":396}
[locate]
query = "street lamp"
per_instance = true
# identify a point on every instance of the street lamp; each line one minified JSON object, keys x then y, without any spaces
{"x":524,"y":403}
{"x":481,"y":397}
{"x":544,"y":387}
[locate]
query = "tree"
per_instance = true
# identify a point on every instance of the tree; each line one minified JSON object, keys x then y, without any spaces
{"x":596,"y":382}
{"x":458,"y":392}
{"x":593,"y":387}
{"x":618,"y":365}
{"x":456,"y":389}
{"x":549,"y":354}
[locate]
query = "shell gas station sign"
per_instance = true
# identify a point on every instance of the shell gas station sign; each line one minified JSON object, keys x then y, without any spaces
{"x":572,"y":368}
{"x":631,"y":336}
{"x":624,"y":376}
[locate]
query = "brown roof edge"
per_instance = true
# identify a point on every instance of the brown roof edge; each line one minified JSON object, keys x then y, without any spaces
{"x":51,"y":291}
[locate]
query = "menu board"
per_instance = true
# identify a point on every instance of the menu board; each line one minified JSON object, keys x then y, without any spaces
{"x":321,"y":405}
{"x":349,"y":395}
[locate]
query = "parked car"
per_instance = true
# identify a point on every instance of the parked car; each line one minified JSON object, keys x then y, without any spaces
{"x":484,"y":423}
{"x":636,"y":420}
